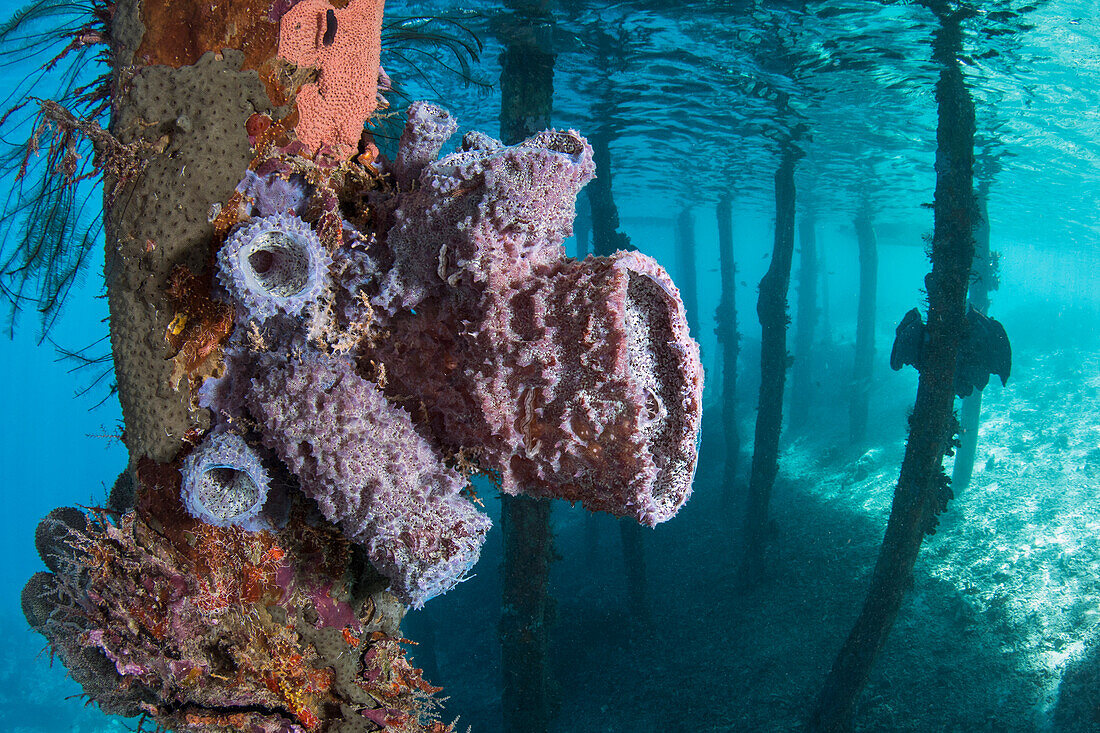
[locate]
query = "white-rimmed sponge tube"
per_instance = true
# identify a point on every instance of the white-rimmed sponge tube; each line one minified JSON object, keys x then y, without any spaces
{"x":224,"y":483}
{"x":274,"y":264}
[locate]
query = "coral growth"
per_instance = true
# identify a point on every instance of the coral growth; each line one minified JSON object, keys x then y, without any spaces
{"x":161,"y":222}
{"x":365,"y":335}
{"x":216,"y":629}
{"x":51,"y":539}
{"x":345,"y":45}
{"x":274,"y":264}
{"x":52,"y":606}
{"x":606,"y":411}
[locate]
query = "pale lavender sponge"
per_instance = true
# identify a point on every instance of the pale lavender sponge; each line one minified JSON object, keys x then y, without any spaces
{"x":370,"y":472}
{"x":485,"y":215}
{"x":428,"y":127}
{"x":224,"y":483}
{"x":273,"y":193}
{"x":273,"y":264}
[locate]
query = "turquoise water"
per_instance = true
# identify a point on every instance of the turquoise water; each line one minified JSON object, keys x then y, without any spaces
{"x":1000,"y":629}
{"x":53,"y":458}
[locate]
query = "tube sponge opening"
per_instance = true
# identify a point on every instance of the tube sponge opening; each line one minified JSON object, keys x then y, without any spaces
{"x":664,"y":364}
{"x":274,"y":264}
{"x":428,"y":128}
{"x":224,"y":483}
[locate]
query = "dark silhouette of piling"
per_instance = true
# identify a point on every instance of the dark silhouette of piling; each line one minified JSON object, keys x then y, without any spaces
{"x":771,"y":307}
{"x":863,"y":369}
{"x":922,"y":491}
{"x":730,"y":343}
{"x":527,"y":89}
{"x":802,"y":369}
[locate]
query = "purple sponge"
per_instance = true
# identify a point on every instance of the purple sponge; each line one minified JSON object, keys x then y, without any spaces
{"x":573,"y":380}
{"x":370,"y":472}
{"x":274,"y":264}
{"x":428,"y":127}
{"x":273,"y":193}
{"x":224,"y":483}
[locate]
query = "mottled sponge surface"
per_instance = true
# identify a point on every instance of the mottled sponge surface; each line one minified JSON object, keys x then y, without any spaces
{"x":591,"y":387}
{"x":343,"y":42}
{"x":224,"y":483}
{"x":427,"y":128}
{"x":485,"y":216}
{"x":370,"y":472}
{"x":574,"y":380}
{"x":274,"y":264}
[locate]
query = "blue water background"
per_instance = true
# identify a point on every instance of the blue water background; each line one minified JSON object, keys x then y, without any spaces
{"x":58,"y":450}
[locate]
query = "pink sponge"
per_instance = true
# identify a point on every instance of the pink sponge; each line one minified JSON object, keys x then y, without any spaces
{"x":483,"y":216}
{"x":591,"y":386}
{"x":345,"y":44}
{"x":575,"y":380}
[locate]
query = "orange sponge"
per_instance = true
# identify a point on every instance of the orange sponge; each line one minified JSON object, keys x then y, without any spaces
{"x":344,"y":44}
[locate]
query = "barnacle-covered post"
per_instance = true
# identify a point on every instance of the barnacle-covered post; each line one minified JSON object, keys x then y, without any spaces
{"x":923,"y":490}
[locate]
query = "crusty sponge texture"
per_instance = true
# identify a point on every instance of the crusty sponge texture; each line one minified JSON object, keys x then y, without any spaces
{"x":195,"y":116}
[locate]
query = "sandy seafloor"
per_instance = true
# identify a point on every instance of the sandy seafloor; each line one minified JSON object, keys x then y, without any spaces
{"x":997,"y":634}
